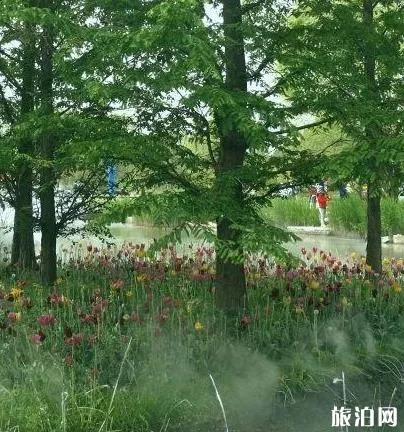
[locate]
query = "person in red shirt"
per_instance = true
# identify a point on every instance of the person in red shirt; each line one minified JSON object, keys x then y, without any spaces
{"x":322,"y":199}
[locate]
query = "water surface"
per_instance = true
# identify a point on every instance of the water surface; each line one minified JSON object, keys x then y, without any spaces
{"x":131,"y":232}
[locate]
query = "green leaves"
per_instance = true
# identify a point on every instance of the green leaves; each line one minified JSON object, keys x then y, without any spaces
{"x":335,"y":41}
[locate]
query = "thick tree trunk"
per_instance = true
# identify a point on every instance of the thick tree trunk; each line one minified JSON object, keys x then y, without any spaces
{"x":48,"y":228}
{"x":374,"y":221}
{"x":374,"y":232}
{"x":23,"y":250}
{"x":230,"y":277}
{"x":47,"y":173}
{"x":230,"y":284}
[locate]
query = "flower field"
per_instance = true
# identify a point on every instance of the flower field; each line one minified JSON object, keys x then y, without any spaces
{"x":124,"y":342}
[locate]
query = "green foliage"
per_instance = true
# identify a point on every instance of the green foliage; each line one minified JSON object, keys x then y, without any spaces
{"x":335,"y":41}
{"x":392,"y":216}
{"x":177,"y":92}
{"x":82,"y":132}
{"x":345,"y":215}
{"x":291,"y":211}
{"x":129,"y":90}
{"x":348,"y":215}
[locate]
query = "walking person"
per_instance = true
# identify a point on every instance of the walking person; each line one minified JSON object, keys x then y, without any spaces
{"x":312,"y":196}
{"x":322,"y":199}
{"x":343,"y":191}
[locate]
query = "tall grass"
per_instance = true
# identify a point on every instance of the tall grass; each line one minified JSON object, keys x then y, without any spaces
{"x":348,"y":215}
{"x":345,"y":215}
{"x":292,"y":211}
{"x":392,"y":216}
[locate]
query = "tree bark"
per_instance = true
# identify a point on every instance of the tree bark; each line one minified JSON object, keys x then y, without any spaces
{"x":374,"y":222}
{"x":23,"y":250}
{"x":231,"y":283}
{"x":374,"y":232}
{"x":47,"y":172}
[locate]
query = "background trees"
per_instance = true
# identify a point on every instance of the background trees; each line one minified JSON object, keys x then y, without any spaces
{"x":349,"y":67}
{"x":44,"y":116}
{"x":17,"y":66}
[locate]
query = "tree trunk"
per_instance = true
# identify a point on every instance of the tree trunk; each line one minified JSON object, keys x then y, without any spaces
{"x":230,"y":277}
{"x":48,"y":228}
{"x":23,"y":250}
{"x":374,"y":232}
{"x":47,"y":173}
{"x":374,"y":221}
{"x":231,"y":284}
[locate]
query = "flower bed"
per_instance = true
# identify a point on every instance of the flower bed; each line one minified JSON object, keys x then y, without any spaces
{"x":118,"y":323}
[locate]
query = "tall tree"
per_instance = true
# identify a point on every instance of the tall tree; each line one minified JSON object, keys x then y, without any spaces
{"x":47,"y":146}
{"x":18,"y":75}
{"x":58,"y":111}
{"x":230,"y":277}
{"x":23,"y":249}
{"x":372,"y":134}
{"x":349,"y":68}
{"x":196,"y":82}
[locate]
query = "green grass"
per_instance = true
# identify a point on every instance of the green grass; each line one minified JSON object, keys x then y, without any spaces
{"x":348,"y":215}
{"x":345,"y":215}
{"x":292,"y":211}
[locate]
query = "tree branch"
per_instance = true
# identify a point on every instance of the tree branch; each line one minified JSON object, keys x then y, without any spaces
{"x":339,"y":140}
{"x":180,"y":180}
{"x":282,"y":80}
{"x":8,"y":111}
{"x":264,"y":63}
{"x":208,"y":137}
{"x":205,"y":125}
{"x":5,"y":54}
{"x":306,"y":126}
{"x":249,"y":7}
{"x":11,"y":80}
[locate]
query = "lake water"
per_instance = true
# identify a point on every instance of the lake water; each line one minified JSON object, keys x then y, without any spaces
{"x":339,"y":246}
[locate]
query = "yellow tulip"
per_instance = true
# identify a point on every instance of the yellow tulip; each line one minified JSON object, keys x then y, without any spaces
{"x":140,"y":278}
{"x":16,"y":292}
{"x":198,"y":326}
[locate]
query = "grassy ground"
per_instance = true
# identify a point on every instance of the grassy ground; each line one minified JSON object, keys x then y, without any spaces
{"x":122,"y":343}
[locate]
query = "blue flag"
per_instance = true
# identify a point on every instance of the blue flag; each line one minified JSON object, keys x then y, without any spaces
{"x":111,"y":179}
